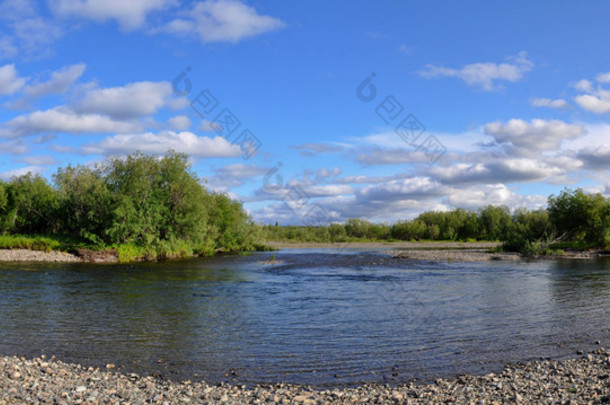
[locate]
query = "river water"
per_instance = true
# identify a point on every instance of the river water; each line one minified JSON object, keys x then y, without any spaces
{"x":325,"y":317}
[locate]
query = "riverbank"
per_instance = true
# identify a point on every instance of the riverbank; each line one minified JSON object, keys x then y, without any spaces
{"x":27,"y":255}
{"x":584,"y":380}
{"x":430,"y":251}
{"x":463,"y":252}
{"x":394,"y":245}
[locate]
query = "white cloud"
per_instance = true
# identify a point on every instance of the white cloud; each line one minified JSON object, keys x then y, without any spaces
{"x":160,"y":143}
{"x":603,"y":77}
{"x":129,"y":14}
{"x":179,"y":123}
{"x":27,"y":32}
{"x":599,"y":103}
{"x":498,"y":171}
{"x":232,"y":176}
{"x":392,"y":156}
{"x":222,"y":21}
{"x":484,"y":75}
{"x":129,"y":101}
{"x":208,"y":126}
{"x":583,"y":85}
{"x":10,"y":82}
{"x":547,"y":102}
{"x":39,"y":160}
{"x":62,"y":119}
{"x":530,"y":138}
{"x":493,"y":194}
{"x":13,"y":147}
{"x":409,"y":188}
{"x":596,"y":100}
{"x":595,"y":158}
{"x":59,"y":83}
{"x":8,"y":175}
{"x":324,"y":173}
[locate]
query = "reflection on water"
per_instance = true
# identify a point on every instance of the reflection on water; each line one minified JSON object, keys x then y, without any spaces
{"x":325,"y":317}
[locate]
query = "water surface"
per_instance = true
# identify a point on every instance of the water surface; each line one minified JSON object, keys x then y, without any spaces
{"x":323,"y":317}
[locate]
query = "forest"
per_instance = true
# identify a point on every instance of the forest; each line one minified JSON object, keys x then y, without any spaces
{"x":572,"y":219}
{"x":147,"y":207}
{"x":140,"y":205}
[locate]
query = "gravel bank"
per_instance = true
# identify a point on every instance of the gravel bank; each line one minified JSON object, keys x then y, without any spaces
{"x":39,"y":381}
{"x":455,"y":255}
{"x":394,"y":245}
{"x":25,"y":255}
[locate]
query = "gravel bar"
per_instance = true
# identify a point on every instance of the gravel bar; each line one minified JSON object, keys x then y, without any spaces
{"x":26,"y":255}
{"x":584,"y":380}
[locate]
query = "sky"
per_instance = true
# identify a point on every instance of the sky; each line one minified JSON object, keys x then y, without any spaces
{"x":313,"y":112}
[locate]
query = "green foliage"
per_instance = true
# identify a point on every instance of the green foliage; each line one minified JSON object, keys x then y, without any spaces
{"x":45,"y":244}
{"x":143,"y":205}
{"x":582,"y":217}
{"x":29,"y":206}
{"x":130,"y":252}
{"x":495,"y":222}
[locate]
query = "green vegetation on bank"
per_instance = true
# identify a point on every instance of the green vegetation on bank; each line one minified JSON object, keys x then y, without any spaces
{"x":140,"y":205}
{"x":572,"y":220}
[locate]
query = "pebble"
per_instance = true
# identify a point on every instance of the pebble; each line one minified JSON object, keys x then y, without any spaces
{"x":584,"y":380}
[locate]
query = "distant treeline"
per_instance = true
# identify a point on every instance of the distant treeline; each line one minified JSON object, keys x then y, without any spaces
{"x":141,"y":205}
{"x":572,"y":218}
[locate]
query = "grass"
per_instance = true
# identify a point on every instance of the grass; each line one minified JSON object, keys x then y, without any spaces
{"x":41,"y":243}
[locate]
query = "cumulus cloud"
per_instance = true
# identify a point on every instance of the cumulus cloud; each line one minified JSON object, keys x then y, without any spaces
{"x":595,"y":158}
{"x":27,"y":32}
{"x":13,"y":147}
{"x":492,"y":194}
{"x":10,"y":82}
{"x":129,"y":14}
{"x":547,"y":102}
{"x":603,"y":77}
{"x":583,"y":85}
{"x":497,"y":171}
{"x":313,"y":149}
{"x":160,"y":143}
{"x":39,"y":160}
{"x":222,"y":21}
{"x":391,"y":156}
{"x":484,"y":75}
{"x":62,"y":119}
{"x":9,"y":174}
{"x":233,"y":176}
{"x":599,"y":103}
{"x":530,"y":138}
{"x":324,"y":173}
{"x":594,"y":99}
{"x":129,"y":101}
{"x":409,"y":188}
{"x":179,"y":123}
{"x":59,"y":82}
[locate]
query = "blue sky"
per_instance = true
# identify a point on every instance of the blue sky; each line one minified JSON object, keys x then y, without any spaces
{"x":379,"y":110}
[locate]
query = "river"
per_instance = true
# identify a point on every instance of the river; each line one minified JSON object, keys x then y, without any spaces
{"x":325,"y":317}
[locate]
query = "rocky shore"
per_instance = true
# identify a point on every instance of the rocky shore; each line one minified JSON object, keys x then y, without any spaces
{"x":455,"y":255}
{"x":585,"y":380}
{"x":26,"y":255}
{"x":83,"y":255}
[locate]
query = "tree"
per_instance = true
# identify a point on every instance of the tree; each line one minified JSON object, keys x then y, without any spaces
{"x":85,"y":203}
{"x":32,"y":204}
{"x":495,"y":222}
{"x":582,"y":217}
